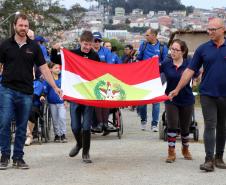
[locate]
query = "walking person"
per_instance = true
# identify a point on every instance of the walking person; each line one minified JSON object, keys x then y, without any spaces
{"x":149,"y":48}
{"x":18,"y":55}
{"x":212,"y":56}
{"x":81,"y":115}
{"x":180,"y":109}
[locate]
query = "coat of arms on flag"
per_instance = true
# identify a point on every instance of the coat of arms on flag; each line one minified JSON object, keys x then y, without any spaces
{"x":110,"y":85}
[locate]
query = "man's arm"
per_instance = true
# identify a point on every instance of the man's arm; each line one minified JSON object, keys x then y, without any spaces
{"x":185,"y":78}
{"x":49,"y":78}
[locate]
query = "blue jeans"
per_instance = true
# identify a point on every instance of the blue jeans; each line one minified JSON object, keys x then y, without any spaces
{"x":19,"y":104}
{"x":81,"y":117}
{"x":155,"y":113}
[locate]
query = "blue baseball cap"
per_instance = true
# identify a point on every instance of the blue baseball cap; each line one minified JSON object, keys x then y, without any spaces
{"x":97,"y":35}
{"x":39,"y":38}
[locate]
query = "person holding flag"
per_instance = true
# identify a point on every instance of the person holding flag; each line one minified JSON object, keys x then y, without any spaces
{"x":81,"y":115}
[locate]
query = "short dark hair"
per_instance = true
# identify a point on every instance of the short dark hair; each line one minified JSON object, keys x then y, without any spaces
{"x":20,"y":16}
{"x":154,"y":31}
{"x":183,"y":46}
{"x":86,"y":36}
{"x":129,"y":46}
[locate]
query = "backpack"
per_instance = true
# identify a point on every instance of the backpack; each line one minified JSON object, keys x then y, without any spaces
{"x":161,"y":45}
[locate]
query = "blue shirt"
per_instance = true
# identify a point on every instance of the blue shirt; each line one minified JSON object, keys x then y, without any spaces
{"x":173,"y":76}
{"x":213,"y":60}
{"x":52,"y":97}
{"x":45,"y":53}
{"x":105,"y":55}
{"x":115,"y":58}
{"x":150,"y":50}
{"x":38,"y":90}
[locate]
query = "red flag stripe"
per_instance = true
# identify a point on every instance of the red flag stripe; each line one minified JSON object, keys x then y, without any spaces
{"x":115,"y":104}
{"x":145,"y":70}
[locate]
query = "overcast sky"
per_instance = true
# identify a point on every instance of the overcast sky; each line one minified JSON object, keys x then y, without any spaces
{"x":208,"y":4}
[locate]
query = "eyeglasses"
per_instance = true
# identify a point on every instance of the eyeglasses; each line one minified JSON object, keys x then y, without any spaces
{"x":97,"y":40}
{"x":213,"y":29}
{"x":175,"y":49}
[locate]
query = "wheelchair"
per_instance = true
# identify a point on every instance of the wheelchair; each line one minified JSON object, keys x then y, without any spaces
{"x":193,"y":129}
{"x":43,"y":123}
{"x":114,"y":120}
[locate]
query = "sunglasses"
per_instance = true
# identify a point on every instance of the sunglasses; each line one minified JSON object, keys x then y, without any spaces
{"x":97,"y":40}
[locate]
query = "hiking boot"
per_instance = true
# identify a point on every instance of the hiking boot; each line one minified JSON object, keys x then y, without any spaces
{"x":20,"y":164}
{"x":171,"y":155}
{"x":186,"y":153}
{"x":207,"y":165}
{"x":63,"y":138}
{"x":4,"y":162}
{"x":219,"y":162}
{"x":57,"y":139}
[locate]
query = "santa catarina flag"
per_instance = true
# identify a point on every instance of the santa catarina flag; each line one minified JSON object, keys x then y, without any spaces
{"x":110,"y":85}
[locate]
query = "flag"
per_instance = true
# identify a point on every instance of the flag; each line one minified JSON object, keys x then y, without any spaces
{"x":110,"y":85}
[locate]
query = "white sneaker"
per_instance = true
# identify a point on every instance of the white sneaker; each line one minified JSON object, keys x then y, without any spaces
{"x":143,"y":125}
{"x":28,"y":141}
{"x":154,"y":129}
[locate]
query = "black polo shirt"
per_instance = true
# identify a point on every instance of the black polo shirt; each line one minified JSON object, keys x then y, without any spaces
{"x":18,"y":63}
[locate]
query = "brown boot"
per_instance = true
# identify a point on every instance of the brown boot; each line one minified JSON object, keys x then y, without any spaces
{"x":208,"y":165}
{"x":186,"y":153}
{"x":219,"y":162}
{"x":171,"y":155}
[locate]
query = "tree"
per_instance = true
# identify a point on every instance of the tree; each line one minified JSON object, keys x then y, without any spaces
{"x":45,"y":16}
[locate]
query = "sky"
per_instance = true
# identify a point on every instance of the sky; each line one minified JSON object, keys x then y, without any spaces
{"x":207,"y":4}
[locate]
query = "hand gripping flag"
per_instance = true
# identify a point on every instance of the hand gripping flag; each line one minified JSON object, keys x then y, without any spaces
{"x":110,"y":85}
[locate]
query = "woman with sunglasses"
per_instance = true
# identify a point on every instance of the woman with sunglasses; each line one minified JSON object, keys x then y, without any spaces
{"x":180,"y":108}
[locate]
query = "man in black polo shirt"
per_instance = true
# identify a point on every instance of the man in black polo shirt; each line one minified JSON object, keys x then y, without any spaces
{"x":212,"y":56}
{"x":18,"y":55}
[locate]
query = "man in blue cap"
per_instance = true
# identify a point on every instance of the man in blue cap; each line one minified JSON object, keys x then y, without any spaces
{"x":105,"y":56}
{"x":40,"y":40}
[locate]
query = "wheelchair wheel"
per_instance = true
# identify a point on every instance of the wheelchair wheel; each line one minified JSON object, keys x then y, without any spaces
{"x":162,"y":127}
{"x":119,"y":123}
{"x":196,"y":134}
{"x":161,"y":130}
{"x":47,"y":122}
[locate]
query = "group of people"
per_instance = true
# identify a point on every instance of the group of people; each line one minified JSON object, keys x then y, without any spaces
{"x":177,"y":70}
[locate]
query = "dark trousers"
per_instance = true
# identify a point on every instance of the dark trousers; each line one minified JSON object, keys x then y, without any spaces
{"x":214,"y":113}
{"x":102,"y":114}
{"x":179,"y":116}
{"x":81,"y":117}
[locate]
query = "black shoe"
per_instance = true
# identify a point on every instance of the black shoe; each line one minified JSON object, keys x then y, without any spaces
{"x":208,"y":166}
{"x":63,"y":138}
{"x":74,"y":151}
{"x":86,"y":158}
{"x":86,"y":146}
{"x":105,"y":133}
{"x":4,"y":162}
{"x":20,"y":164}
{"x":57,"y":139}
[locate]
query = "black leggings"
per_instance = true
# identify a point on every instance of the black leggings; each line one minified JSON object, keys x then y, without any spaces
{"x":179,"y":116}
